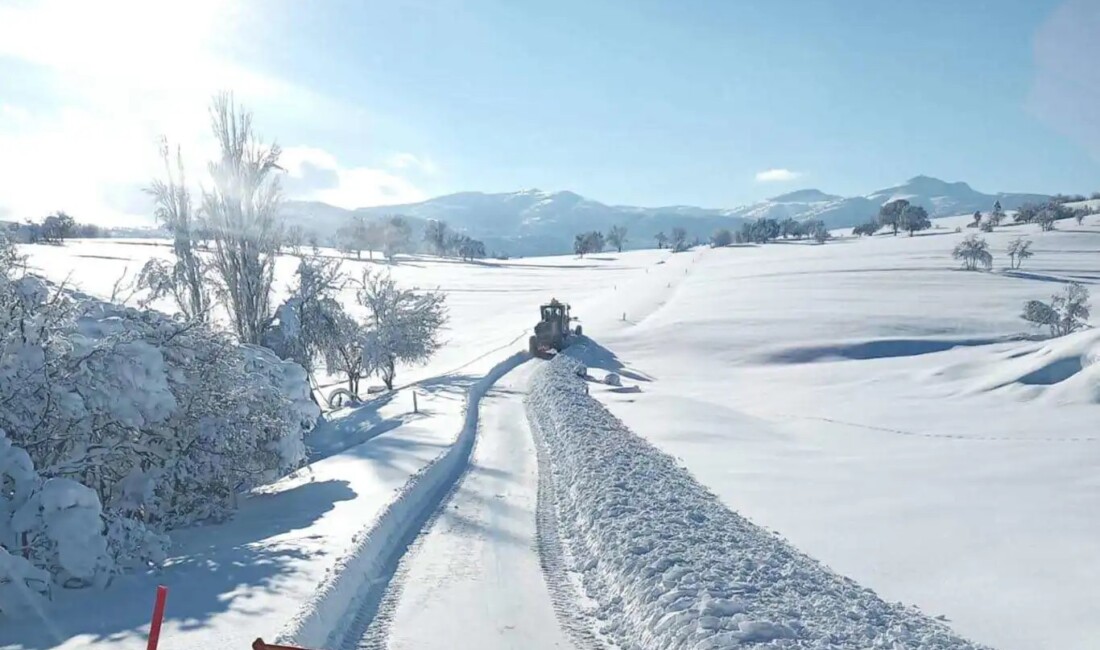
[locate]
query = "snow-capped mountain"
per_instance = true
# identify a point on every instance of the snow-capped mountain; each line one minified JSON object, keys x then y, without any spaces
{"x":529,"y":222}
{"x":533,"y":222}
{"x":940,"y":198}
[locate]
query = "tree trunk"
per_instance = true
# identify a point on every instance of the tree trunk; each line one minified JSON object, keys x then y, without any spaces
{"x":389,"y":371}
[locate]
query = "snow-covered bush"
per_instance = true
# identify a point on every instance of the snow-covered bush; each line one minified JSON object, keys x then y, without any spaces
{"x":136,"y":422}
{"x":1066,"y":313}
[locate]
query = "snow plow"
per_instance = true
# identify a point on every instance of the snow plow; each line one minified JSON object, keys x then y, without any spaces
{"x":552,"y":332}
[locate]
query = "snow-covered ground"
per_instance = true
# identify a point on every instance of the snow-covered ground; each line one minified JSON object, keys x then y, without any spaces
{"x":865,"y":399}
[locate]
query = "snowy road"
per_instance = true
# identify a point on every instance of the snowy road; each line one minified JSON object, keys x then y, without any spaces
{"x":473,"y":579}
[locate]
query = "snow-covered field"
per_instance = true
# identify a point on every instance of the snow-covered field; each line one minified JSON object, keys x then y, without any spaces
{"x":865,"y":399}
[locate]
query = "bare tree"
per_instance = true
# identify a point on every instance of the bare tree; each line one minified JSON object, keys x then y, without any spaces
{"x":175,"y":213}
{"x":662,"y":239}
{"x":242,"y":212}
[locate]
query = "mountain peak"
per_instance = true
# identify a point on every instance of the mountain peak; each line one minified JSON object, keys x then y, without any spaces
{"x":804,"y":196}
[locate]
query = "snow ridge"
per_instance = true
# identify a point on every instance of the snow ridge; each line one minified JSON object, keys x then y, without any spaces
{"x":671,"y":567}
{"x":342,"y":607}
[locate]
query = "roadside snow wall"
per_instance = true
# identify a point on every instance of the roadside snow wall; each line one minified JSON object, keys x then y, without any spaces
{"x":670,"y":566}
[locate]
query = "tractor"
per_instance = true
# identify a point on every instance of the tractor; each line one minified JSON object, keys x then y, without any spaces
{"x":552,"y":331}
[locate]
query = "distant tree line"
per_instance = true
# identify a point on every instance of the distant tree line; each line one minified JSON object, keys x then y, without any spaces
{"x":764,"y":230}
{"x":54,"y":229}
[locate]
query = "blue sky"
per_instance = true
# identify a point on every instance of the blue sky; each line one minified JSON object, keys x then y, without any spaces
{"x":625,"y":101}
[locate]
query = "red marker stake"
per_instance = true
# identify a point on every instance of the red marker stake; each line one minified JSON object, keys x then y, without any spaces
{"x":158,"y":617}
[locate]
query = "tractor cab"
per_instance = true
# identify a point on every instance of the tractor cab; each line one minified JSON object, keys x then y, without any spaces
{"x":552,"y":331}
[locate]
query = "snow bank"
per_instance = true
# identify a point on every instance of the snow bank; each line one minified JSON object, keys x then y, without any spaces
{"x":358,"y":580}
{"x":671,"y":567}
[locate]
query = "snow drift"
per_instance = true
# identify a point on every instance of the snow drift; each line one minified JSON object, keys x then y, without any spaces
{"x":670,"y":566}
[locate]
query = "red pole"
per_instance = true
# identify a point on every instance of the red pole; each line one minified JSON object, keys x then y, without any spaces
{"x":158,"y":617}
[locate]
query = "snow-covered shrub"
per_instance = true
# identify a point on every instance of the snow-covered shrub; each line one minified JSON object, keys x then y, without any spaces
{"x":1066,"y":313}
{"x":613,"y":379}
{"x":137,"y":423}
{"x":55,"y":523}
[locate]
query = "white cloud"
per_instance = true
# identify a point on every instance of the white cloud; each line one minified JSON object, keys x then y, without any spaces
{"x":315,"y":174}
{"x":776,"y":175}
{"x":116,"y":74}
{"x":412,"y":161}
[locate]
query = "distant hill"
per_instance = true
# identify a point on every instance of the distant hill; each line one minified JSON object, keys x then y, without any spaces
{"x":533,"y":222}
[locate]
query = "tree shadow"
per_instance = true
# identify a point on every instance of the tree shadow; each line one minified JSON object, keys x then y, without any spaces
{"x":1042,"y":277}
{"x":350,"y":426}
{"x":213,"y":568}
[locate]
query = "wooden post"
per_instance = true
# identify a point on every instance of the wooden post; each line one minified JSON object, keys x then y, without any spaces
{"x":158,"y":617}
{"x":416,"y":409}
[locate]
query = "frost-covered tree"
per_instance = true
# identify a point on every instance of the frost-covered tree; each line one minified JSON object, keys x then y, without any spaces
{"x":352,"y":237}
{"x":817,"y":230}
{"x":396,"y":237}
{"x":241,"y":209}
{"x":294,"y":238}
{"x":973,"y":251}
{"x":1027,"y":213}
{"x":436,"y":236}
{"x":889,"y":215}
{"x":588,"y":242}
{"x":183,"y":280}
{"x":1066,"y":313}
{"x":1079,"y":216}
{"x":403,"y":325}
{"x":662,"y":239}
{"x":997,"y":215}
{"x":617,"y":237}
{"x":306,"y":324}
{"x":869,"y":228}
{"x":1019,"y":249}
{"x":345,"y":355}
{"x":790,"y":228}
{"x":721,"y":237}
{"x":977,"y":219}
{"x":678,"y":240}
{"x":1045,"y":219}
{"x":469,"y":248}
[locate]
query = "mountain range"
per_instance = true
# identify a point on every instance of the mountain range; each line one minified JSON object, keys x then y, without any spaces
{"x":534,"y":222}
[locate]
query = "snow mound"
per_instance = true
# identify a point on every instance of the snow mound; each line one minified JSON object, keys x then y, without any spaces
{"x":669,"y":566}
{"x":1065,"y":370}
